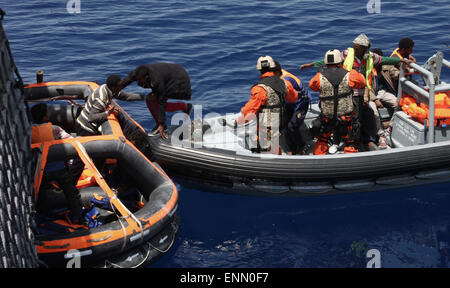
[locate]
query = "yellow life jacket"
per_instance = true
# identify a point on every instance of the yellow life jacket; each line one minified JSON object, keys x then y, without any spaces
{"x":350,"y":60}
{"x":287,"y":74}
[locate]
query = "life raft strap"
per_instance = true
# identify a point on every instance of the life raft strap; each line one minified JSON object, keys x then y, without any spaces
{"x":123,"y":211}
{"x":40,"y":167}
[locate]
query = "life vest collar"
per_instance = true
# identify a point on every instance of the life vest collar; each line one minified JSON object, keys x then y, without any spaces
{"x":267,"y":74}
{"x":396,"y":53}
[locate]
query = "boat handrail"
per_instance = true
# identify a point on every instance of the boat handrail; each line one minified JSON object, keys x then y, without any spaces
{"x":446,"y":63}
{"x":431,"y":79}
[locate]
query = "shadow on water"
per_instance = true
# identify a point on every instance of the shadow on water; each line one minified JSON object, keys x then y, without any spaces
{"x":222,"y":230}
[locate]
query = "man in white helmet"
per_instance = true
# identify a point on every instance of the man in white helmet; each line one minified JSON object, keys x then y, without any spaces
{"x":336,"y":86}
{"x":266,"y":104}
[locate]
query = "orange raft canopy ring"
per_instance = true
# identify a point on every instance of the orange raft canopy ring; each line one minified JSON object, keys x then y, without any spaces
{"x":135,"y":202}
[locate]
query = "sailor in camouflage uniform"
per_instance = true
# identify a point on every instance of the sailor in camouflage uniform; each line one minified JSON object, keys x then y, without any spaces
{"x":266,"y":104}
{"x":336,"y":85}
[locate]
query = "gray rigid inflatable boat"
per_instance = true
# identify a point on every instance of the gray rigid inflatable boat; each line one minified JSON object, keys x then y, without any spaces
{"x":217,"y":154}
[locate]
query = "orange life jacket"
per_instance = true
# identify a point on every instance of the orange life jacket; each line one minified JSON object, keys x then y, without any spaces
{"x":288,"y":74}
{"x":421,"y":112}
{"x":86,"y":179}
{"x":42,"y":133}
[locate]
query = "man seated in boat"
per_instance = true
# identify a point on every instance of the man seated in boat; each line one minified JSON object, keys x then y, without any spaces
{"x":404,"y":50}
{"x":266,"y":104}
{"x":385,"y":91}
{"x":336,"y":85}
{"x":295,"y":112}
{"x":385,"y":86}
{"x":98,"y":107}
{"x":42,"y":131}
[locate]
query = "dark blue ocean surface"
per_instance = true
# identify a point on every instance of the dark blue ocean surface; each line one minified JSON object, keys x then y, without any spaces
{"x":218,"y":42}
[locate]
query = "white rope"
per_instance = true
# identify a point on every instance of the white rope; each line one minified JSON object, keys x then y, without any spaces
{"x":123,"y":228}
{"x":140,"y":226}
{"x":107,"y":262}
{"x":163,"y":251}
{"x":135,"y":266}
{"x":131,"y":215}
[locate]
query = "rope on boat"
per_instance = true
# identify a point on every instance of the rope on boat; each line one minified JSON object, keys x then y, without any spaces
{"x":119,"y":209}
{"x":150,"y":246}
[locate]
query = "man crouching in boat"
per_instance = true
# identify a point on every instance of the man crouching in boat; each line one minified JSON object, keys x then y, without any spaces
{"x":267,"y":101}
{"x":98,"y":107}
{"x":336,"y":85}
{"x":167,"y":81}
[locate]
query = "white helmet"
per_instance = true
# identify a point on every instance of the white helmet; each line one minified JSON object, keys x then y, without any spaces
{"x":333,"y":56}
{"x":265,"y":62}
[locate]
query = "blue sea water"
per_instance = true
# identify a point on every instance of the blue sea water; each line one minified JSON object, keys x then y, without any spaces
{"x":218,"y":42}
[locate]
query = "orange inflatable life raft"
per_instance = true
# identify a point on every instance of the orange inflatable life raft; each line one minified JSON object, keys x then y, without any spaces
{"x":143,"y":227}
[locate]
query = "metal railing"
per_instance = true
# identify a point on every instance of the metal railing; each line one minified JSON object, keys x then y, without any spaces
{"x":427,"y":92}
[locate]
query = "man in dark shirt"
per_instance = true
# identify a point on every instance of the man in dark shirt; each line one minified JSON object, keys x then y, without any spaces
{"x":167,"y":81}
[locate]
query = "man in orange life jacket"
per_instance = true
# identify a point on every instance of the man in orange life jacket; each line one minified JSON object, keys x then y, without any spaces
{"x":42,"y":131}
{"x":404,"y":50}
{"x":336,"y":85}
{"x":266,"y":104}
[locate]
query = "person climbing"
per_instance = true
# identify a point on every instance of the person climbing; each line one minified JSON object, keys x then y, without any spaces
{"x":266,"y":104}
{"x":336,"y":86}
{"x":98,"y":107}
{"x":167,"y":81}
